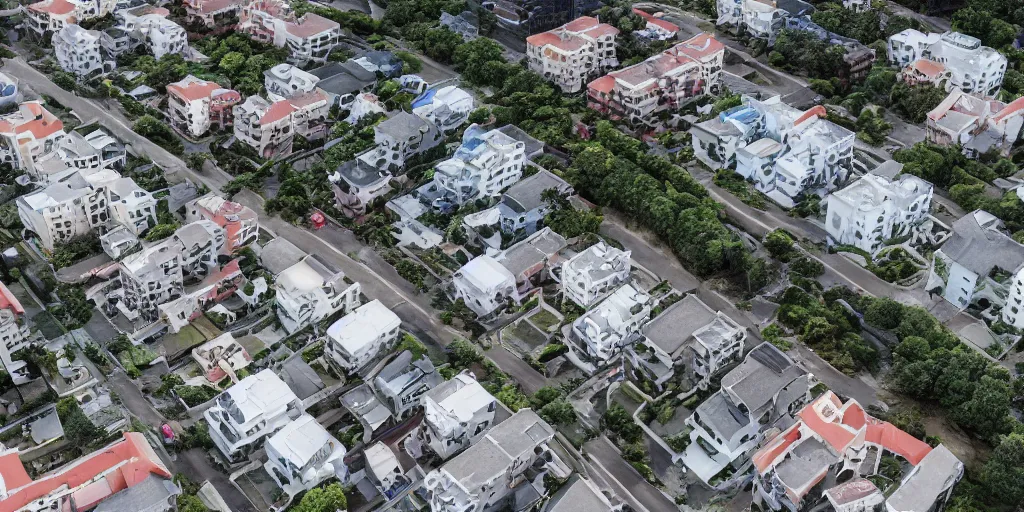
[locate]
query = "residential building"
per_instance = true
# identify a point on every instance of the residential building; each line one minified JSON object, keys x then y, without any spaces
{"x":457,"y":413}
{"x":309,"y":38}
{"x":447,"y":108}
{"x":521,"y":18}
{"x":765,"y":388}
{"x":88,"y":154}
{"x":512,"y":454}
{"x":981,"y":266}
{"x":218,"y":15}
{"x":303,"y":454}
{"x":581,"y":494}
{"x":386,"y":472}
{"x":786,"y":152}
{"x":687,"y":343}
{"x":484,"y":164}
{"x":360,"y":336}
{"x":590,"y":275}
{"x":380,"y":61}
{"x":309,"y":117}
{"x":265,"y":126}
{"x":86,"y":483}
{"x":194,"y":106}
{"x":972,"y":68}
{"x":832,"y":440}
{"x":533,"y":259}
{"x":49,"y":16}
{"x":485,"y":286}
{"x":310,"y":291}
{"x":219,"y":283}
{"x":655,"y":28}
{"x":978,"y":125}
{"x":760,"y":19}
{"x":200,"y":243}
{"x":391,"y":394}
{"x":148,"y":25}
{"x":343,"y":81}
{"x":240,"y":223}
{"x":401,"y":137}
{"x":78,"y":51}
{"x":603,"y":332}
{"x":29,"y":135}
{"x":78,"y":205}
{"x":465,"y":24}
{"x":874,"y":209}
{"x":221,"y":357}
{"x":641,"y":93}
{"x":924,"y":71}
{"x":573,"y":53}
{"x":14,"y":333}
{"x":285,"y":81}
{"x":522,"y":207}
{"x":357,"y":183}
{"x":258,"y":18}
{"x":248,"y":412}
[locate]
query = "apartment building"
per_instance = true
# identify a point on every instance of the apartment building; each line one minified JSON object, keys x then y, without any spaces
{"x":484,"y":164}
{"x":761,"y":19}
{"x":360,"y":336}
{"x":221,"y":357}
{"x":240,"y":223}
{"x":29,"y":135}
{"x":304,"y":454}
{"x":148,"y":26}
{"x":522,"y":207}
{"x":590,"y":275}
{"x":284,"y":81}
{"x":786,"y":152}
{"x":309,"y":117}
{"x":655,"y":28}
{"x":447,"y":108}
{"x":89,"y":153}
{"x":357,"y":183}
{"x":457,"y":413}
{"x":195,"y":105}
{"x":970,"y":67}
{"x":242,"y":417}
{"x":874,"y":209}
{"x":833,"y":439}
{"x":485,"y":285}
{"x":614,"y":324}
{"x":265,"y":126}
{"x":214,"y":14}
{"x":766,"y":387}
{"x":309,"y":38}
{"x":978,"y":125}
{"x":391,"y":395}
{"x":219,"y":283}
{"x":78,"y":205}
{"x":49,"y":16}
{"x":400,"y":138}
{"x":485,"y":475}
{"x":310,"y":291}
{"x":574,"y":53}
{"x":78,"y":51}
{"x":14,"y":333}
{"x":687,"y":343}
{"x":640,"y":93}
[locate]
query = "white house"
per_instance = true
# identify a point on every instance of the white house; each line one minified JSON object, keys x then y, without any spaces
{"x":761,"y":19}
{"x":786,"y":152}
{"x":221,"y":357}
{"x":285,"y":80}
{"x":983,"y":266}
{"x":265,"y":126}
{"x":88,"y":154}
{"x":14,"y":333}
{"x":49,"y":16}
{"x":689,"y":339}
{"x":641,"y":93}
{"x":309,"y":39}
{"x":603,"y":332}
{"x":29,"y":135}
{"x":357,"y":183}
{"x":401,"y":137}
{"x":244,"y":415}
{"x":303,"y":454}
{"x":360,"y":336}
{"x":447,"y":107}
{"x":977,"y":124}
{"x":485,"y":285}
{"x":488,"y":472}
{"x":457,"y":413}
{"x":310,"y":291}
{"x":194,"y":105}
{"x":590,"y":275}
{"x":239,"y":222}
{"x":573,"y":53}
{"x":214,"y":14}
{"x":873,"y":209}
{"x":486,"y":163}
{"x":149,"y":26}
{"x":78,"y":51}
{"x":766,"y":387}
{"x":971,"y":67}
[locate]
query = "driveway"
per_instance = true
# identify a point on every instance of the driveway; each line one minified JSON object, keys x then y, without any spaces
{"x":652,"y":499}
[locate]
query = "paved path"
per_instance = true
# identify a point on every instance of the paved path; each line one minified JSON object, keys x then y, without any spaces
{"x":609,"y":459}
{"x":195,"y":464}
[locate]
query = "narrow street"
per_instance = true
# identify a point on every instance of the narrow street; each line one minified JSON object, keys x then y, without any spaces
{"x":611,"y":461}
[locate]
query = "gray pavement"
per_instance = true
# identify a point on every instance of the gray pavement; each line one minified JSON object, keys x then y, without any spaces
{"x":609,"y":459}
{"x":195,"y":464}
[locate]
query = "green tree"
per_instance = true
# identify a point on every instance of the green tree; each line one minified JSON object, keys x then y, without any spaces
{"x":779,"y":245}
{"x":871,"y":128}
{"x":475,"y":60}
{"x":330,"y":498}
{"x":884,"y":313}
{"x":544,"y":396}
{"x":558,"y":412}
{"x":1003,"y":473}
{"x":65,"y":80}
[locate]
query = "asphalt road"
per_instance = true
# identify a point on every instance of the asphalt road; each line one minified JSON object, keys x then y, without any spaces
{"x":195,"y":464}
{"x":650,"y":497}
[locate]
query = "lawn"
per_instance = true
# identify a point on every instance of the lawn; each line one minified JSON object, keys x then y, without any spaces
{"x":544,"y":320}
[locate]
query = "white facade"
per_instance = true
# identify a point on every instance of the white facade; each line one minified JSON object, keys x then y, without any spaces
{"x":14,"y":333}
{"x":457,"y":413}
{"x":759,"y":19}
{"x":309,"y":291}
{"x":857,"y":5}
{"x":78,"y":51}
{"x":784,"y":151}
{"x":972,"y":68}
{"x":591,"y":274}
{"x":484,"y":165}
{"x":874,"y":209}
{"x":239,"y":222}
{"x":285,"y":81}
{"x":399,"y":138}
{"x":303,"y":454}
{"x":220,"y":357}
{"x":88,"y":154}
{"x":571,"y":54}
{"x":360,"y":336}
{"x":159,"y":34}
{"x":29,"y":136}
{"x":485,"y":285}
{"x":603,"y":332}
{"x":448,"y":107}
{"x":195,"y":105}
{"x":309,"y":39}
{"x":53,"y":15}
{"x":244,"y":415}
{"x":975,"y":123}
{"x":265,"y":126}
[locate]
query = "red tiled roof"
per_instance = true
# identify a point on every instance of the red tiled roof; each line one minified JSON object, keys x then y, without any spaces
{"x":9,"y":301}
{"x":278,"y":111}
{"x":601,"y":30}
{"x":849,"y":492}
{"x":1014,"y":107}
{"x":765,"y":456}
{"x":927,"y":67}
{"x":310,"y":25}
{"x":212,"y":6}
{"x":129,"y":461}
{"x":886,"y":434}
{"x":815,"y":111}
{"x":41,"y":125}
{"x":193,"y":90}
{"x":309,"y":98}
{"x":700,"y":46}
{"x":58,"y":7}
{"x":654,"y":20}
{"x":604,"y":84}
{"x":582,"y":23}
{"x":566,"y":42}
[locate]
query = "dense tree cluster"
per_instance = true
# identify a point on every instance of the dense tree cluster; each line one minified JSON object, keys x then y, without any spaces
{"x":822,"y":323}
{"x":241,"y":60}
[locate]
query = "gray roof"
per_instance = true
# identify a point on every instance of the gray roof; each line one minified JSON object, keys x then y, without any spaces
{"x":888,"y":169}
{"x":722,"y":416}
{"x":577,"y":496}
{"x":525,"y":196}
{"x":804,"y":462}
{"x":301,"y":378}
{"x":981,"y":249}
{"x":521,"y":433}
{"x":937,"y":471}
{"x":538,"y":248}
{"x":533,"y":145}
{"x":342,"y":78}
{"x":763,"y":373}
{"x":154,"y":494}
{"x":675,"y":325}
{"x":403,"y":125}
{"x":46,"y":428}
{"x":359,"y":173}
{"x":402,"y":373}
{"x":279,"y":254}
